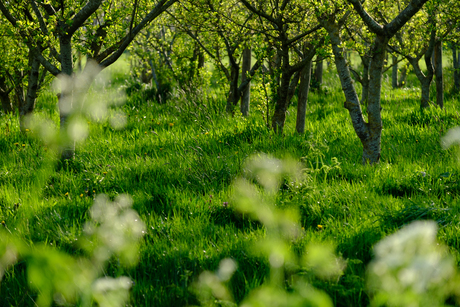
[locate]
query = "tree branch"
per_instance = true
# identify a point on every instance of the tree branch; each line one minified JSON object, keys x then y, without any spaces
{"x":251,"y":74}
{"x":399,"y":21}
{"x":258,"y":12}
{"x":373,"y":25}
{"x":86,"y":11}
{"x":300,"y":36}
{"x":162,"y":6}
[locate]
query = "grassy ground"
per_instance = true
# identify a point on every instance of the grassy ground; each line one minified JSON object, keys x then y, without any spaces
{"x":178,"y":161}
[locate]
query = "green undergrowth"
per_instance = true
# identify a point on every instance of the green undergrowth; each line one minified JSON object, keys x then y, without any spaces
{"x":178,"y":160}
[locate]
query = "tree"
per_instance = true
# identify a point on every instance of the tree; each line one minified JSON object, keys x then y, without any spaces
{"x":54,"y":26}
{"x":220,"y":29}
{"x":369,"y":132}
{"x":285,"y":27}
{"x":434,"y":24}
{"x":19,"y":69}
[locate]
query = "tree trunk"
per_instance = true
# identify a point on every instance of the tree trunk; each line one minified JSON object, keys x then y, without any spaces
{"x":233,"y":94}
{"x":456,"y":61}
{"x":7,"y":107}
{"x":292,"y":87}
{"x":29,"y":104}
{"x":403,"y":77}
{"x":319,"y":71}
{"x":19,"y":89}
{"x":368,"y":133}
{"x":439,"y":75}
{"x":6,"y":102}
{"x":279,"y":115}
{"x":304,"y":87}
{"x":246,"y":94}
{"x":425,"y":82}
{"x":65,"y":97}
{"x":365,"y":79}
{"x":274,"y":67}
{"x":371,"y":145}
{"x":394,"y":72}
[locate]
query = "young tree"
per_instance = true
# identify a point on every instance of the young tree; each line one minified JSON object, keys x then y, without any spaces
{"x":19,"y":69}
{"x":285,"y":26}
{"x":220,"y":28}
{"x":432,"y":27}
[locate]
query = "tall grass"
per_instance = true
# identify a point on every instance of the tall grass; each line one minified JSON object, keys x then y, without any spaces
{"x":177,"y":161}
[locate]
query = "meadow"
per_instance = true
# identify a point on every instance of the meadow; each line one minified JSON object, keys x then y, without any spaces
{"x":178,"y":161}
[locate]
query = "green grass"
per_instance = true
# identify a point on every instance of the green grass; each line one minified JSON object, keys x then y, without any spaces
{"x":178,"y":161}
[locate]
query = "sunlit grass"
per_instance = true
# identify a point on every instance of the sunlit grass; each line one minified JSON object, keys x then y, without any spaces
{"x":177,"y":161}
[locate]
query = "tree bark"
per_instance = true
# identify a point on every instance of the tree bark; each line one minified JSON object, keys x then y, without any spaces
{"x":394,"y":72}
{"x":351,"y":98}
{"x":425,"y":81}
{"x":368,"y":133}
{"x":233,"y":94}
{"x":304,"y":87}
{"x":371,"y":145}
{"x":365,"y":79}
{"x":439,"y":74}
{"x":292,"y":87}
{"x":65,"y":100}
{"x":7,"y":107}
{"x":403,"y":77}
{"x":279,"y":115}
{"x":319,"y":71}
{"x":246,"y":94}
{"x":456,"y":62}
{"x":29,"y":104}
